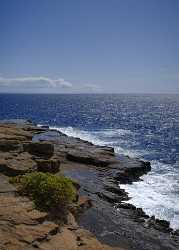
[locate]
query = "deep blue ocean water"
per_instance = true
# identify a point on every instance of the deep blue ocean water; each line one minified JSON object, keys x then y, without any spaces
{"x":144,"y":126}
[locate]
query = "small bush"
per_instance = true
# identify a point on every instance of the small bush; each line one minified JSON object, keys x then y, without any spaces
{"x":48,"y":191}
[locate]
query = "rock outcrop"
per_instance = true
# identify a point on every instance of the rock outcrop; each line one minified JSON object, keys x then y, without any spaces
{"x":101,"y":206}
{"x":41,"y":149}
{"x":22,"y":227}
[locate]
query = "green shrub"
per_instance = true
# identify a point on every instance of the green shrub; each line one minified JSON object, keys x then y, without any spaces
{"x":48,"y":191}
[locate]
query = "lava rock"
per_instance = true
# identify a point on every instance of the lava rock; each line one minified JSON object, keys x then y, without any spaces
{"x":110,"y":197}
{"x":162,"y":225}
{"x":132,"y":172}
{"x":113,"y":188}
{"x":126,"y":206}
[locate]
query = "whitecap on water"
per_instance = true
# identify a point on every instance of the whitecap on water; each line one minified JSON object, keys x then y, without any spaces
{"x":157,"y":194}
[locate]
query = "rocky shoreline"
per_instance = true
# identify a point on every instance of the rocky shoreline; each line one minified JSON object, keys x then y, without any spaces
{"x":118,"y":225}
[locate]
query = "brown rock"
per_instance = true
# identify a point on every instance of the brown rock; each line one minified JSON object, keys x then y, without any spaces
{"x":51,"y":165}
{"x":19,"y":210}
{"x":12,"y":165}
{"x":87,"y":158}
{"x":21,"y":224}
{"x":33,"y":233}
{"x":42,"y":149}
{"x":12,"y":131}
{"x":74,"y":240}
{"x":72,"y":224}
{"x":9,"y":145}
{"x":5,"y":187}
{"x":84,"y":202}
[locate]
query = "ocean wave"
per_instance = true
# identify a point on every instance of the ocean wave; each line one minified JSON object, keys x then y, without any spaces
{"x":157,"y":193}
{"x":82,"y":134}
{"x":106,"y":137}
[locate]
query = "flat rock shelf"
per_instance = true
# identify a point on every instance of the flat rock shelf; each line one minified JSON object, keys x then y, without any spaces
{"x":104,"y":220}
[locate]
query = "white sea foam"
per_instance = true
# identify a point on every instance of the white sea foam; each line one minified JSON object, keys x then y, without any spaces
{"x":99,"y":137}
{"x":157,"y":193}
{"x":82,"y":134}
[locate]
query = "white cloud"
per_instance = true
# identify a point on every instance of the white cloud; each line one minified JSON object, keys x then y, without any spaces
{"x":43,"y":84}
{"x":34,"y":82}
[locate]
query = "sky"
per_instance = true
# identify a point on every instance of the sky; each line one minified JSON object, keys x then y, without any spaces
{"x":89,"y":46}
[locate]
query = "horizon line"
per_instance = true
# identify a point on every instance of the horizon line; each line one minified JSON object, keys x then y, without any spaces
{"x":89,"y":93}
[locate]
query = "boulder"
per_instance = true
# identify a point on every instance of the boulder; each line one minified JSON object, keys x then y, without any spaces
{"x":162,"y":225}
{"x":51,"y":165}
{"x":176,"y":232}
{"x":132,"y":172}
{"x":140,"y":213}
{"x":42,"y":149}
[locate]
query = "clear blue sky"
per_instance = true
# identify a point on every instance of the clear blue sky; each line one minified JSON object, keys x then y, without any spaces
{"x":89,"y":46}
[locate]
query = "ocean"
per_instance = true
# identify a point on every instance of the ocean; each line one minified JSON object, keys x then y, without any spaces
{"x":145,"y":126}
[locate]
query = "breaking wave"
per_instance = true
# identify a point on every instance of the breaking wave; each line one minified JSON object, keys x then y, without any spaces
{"x":157,"y":193}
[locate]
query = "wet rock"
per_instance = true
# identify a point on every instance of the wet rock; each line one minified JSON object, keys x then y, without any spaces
{"x":44,"y":126}
{"x":132,"y":172}
{"x":43,"y":149}
{"x":126,"y":206}
{"x":139,"y":219}
{"x":176,"y":232}
{"x":110,"y":197}
{"x":162,"y":225}
{"x":139,"y":212}
{"x":111,"y":187}
{"x":51,"y":165}
{"x":108,"y":150}
{"x":34,"y":129}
